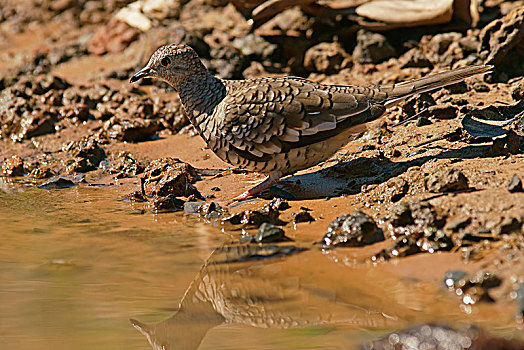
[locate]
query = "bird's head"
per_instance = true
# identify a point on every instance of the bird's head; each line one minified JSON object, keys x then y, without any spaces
{"x":173,"y":64}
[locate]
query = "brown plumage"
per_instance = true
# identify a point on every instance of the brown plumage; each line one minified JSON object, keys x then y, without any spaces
{"x":278,"y":126}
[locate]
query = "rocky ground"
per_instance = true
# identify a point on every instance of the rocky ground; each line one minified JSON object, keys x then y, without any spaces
{"x":428,"y":177}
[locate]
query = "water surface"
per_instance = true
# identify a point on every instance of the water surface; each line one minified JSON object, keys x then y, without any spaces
{"x":76,"y":264}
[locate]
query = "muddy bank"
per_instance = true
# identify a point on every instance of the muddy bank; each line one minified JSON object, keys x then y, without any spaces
{"x":422,"y":183}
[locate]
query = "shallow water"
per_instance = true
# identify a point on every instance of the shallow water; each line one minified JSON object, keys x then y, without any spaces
{"x":76,"y":264}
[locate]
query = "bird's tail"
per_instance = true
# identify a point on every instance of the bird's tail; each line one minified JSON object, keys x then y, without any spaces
{"x":398,"y":92}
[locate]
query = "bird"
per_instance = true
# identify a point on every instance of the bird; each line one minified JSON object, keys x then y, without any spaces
{"x":277,"y":126}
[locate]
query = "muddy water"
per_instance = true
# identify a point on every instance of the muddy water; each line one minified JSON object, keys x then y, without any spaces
{"x":76,"y":264}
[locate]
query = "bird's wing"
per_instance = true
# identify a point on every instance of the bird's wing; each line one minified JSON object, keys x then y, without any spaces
{"x":264,"y":117}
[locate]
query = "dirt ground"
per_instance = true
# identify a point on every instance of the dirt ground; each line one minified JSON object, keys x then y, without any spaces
{"x":427,"y":185}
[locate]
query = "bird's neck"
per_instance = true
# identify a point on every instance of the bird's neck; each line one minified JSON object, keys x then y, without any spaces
{"x":200,"y":94}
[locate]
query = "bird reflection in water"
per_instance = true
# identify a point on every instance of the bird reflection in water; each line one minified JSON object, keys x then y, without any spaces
{"x":267,"y":287}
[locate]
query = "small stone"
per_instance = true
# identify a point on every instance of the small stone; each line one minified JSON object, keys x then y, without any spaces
{"x":401,"y":215}
{"x":515,"y":184}
{"x":446,"y":179}
{"x":372,"y":47}
{"x":303,"y":216}
{"x":520,"y":299}
{"x":352,"y":230}
{"x":13,"y":166}
{"x":423,"y":121}
{"x":510,"y":225}
{"x":458,"y":224}
{"x":58,"y":182}
{"x":443,"y":111}
{"x":269,"y":233}
{"x":168,"y":203}
{"x":192,"y":207}
{"x":170,"y":176}
{"x":326,"y":58}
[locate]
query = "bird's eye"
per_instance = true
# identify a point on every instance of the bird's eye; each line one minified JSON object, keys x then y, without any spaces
{"x":165,"y":61}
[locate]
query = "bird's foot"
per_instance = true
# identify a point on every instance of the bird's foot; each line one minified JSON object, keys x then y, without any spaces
{"x":253,"y":191}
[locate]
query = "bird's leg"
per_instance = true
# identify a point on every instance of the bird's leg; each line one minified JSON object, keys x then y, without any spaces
{"x":257,"y":189}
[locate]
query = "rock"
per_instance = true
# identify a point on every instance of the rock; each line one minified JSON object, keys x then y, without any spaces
{"x":352,"y":230}
{"x":192,"y":207}
{"x":254,"y":47}
{"x":442,"y":49}
{"x":112,"y":38}
{"x":372,"y":47}
{"x":402,"y":246}
{"x":303,"y":216}
{"x":509,"y":225}
{"x":396,"y":188}
{"x":89,"y":152}
{"x":445,"y":111}
{"x":41,"y":173}
{"x":13,"y":166}
{"x":423,"y":121}
{"x":458,"y":224}
{"x":326,"y":58}
{"x":414,"y":58}
{"x":457,"y":88}
{"x":510,"y":143}
{"x":167,"y":204}
{"x":135,"y":130}
{"x":211,"y":211}
{"x":39,"y":122}
{"x":417,"y":104}
{"x":170,"y":176}
{"x":446,"y":179}
{"x":57,"y":182}
{"x":502,"y":45}
{"x":278,"y":204}
{"x":520,"y":299}
{"x":401,"y":215}
{"x":125,"y":165}
{"x":515,"y":184}
{"x":269,"y":233}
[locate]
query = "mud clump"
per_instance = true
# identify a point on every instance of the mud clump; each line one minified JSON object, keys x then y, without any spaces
{"x":167,"y":176}
{"x":446,"y":179}
{"x":352,"y":230}
{"x":135,"y":130}
{"x":269,"y":213}
{"x":416,"y":228}
{"x":502,"y":44}
{"x":126,"y":165}
{"x":113,"y":37}
{"x":88,"y":155}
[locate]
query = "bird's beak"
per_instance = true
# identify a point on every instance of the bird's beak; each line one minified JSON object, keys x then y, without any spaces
{"x":143,"y":73}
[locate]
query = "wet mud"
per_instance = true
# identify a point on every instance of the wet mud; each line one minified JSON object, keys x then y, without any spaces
{"x":413,"y":232}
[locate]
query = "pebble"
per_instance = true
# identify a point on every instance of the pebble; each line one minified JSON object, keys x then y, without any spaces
{"x":352,"y":230}
{"x":515,"y":184}
{"x":57,"y":182}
